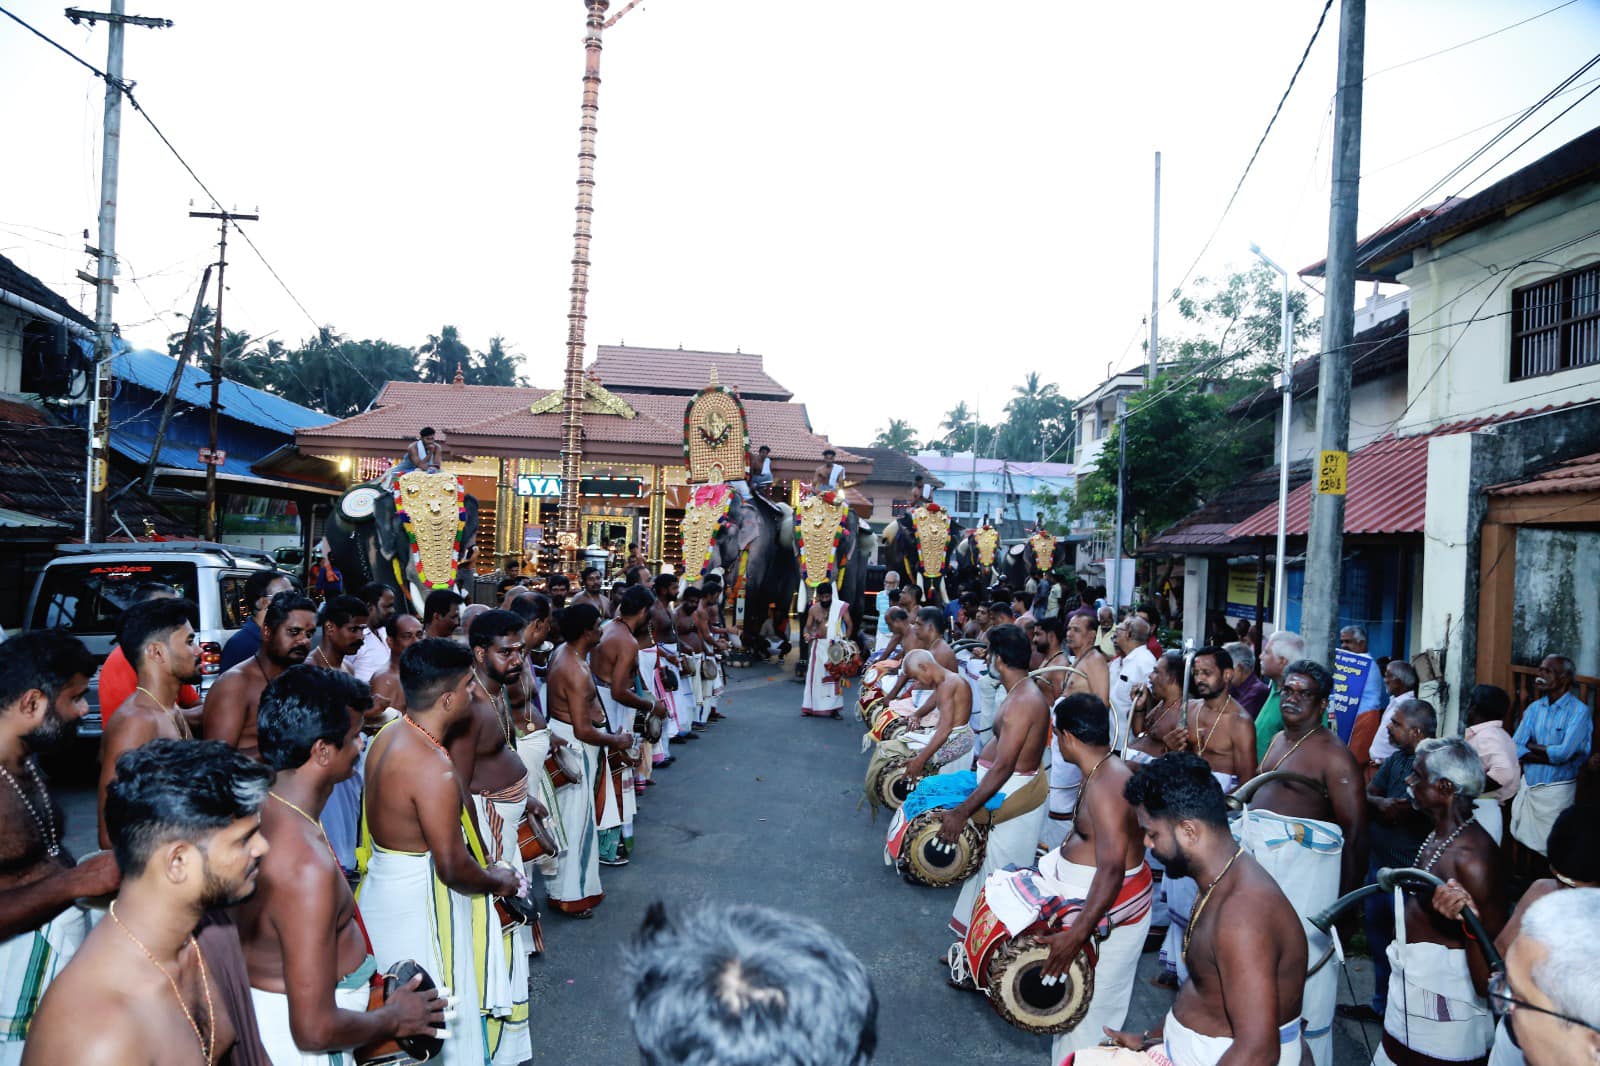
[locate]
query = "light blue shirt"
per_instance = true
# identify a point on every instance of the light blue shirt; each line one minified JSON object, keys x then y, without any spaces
{"x":1564,"y":728}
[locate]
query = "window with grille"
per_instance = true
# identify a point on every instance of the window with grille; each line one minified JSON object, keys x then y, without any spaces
{"x":966,"y":502}
{"x":1555,"y":324}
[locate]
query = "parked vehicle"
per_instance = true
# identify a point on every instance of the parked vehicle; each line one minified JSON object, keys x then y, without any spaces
{"x":86,"y":587}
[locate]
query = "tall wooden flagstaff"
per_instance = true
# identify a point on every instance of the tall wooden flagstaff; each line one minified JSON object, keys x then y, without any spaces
{"x":567,"y":531}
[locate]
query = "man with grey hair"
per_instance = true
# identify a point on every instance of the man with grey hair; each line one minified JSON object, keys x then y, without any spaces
{"x":1553,"y":741}
{"x":1439,"y":978}
{"x":1395,"y":830}
{"x":1249,"y":691}
{"x":1281,"y":649}
{"x":1357,"y":673}
{"x":1552,"y":980}
{"x":742,"y":985}
{"x":1131,"y":671}
{"x":1106,"y":620}
{"x":1400,"y":678}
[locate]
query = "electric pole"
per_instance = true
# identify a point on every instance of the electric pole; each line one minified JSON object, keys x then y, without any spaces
{"x":1115,"y":592}
{"x":99,"y":420}
{"x":1325,"y":544}
{"x":210,"y":458}
{"x":1155,"y":282}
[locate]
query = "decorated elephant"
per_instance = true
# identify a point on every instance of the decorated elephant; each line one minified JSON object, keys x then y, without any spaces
{"x":834,"y":546}
{"x":904,"y":550}
{"x":752,"y":545}
{"x":1021,"y":564}
{"x":416,"y":539}
{"x":975,"y":559}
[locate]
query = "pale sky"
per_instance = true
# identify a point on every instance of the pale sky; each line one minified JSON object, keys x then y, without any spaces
{"x":901,"y":205}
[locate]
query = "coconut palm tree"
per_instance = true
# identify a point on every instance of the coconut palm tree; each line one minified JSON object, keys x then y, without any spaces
{"x":899,"y":436}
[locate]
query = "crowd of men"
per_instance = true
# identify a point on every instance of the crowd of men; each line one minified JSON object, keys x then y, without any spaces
{"x":355,"y":790}
{"x":1143,"y":750}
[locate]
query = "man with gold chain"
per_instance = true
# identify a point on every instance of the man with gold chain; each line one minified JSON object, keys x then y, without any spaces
{"x":615,"y":662}
{"x":485,"y":757}
{"x":158,"y":638}
{"x":309,"y":963}
{"x":44,"y":676}
{"x":342,"y":632}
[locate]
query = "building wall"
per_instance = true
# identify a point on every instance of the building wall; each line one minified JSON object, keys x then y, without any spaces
{"x":1464,"y":371}
{"x":1557,"y":611}
{"x":11,"y":323}
{"x":1375,"y":409}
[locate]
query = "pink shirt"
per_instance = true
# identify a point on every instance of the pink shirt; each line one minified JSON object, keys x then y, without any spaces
{"x":1498,"y":753}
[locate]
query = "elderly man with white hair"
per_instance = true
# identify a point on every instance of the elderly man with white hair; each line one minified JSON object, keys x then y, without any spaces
{"x":1439,"y":978}
{"x":1550,"y":991}
{"x":1281,"y":649}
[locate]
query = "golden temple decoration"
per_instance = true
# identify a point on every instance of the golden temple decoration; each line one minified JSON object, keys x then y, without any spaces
{"x":819,"y":524}
{"x":716,"y":435}
{"x":1043,"y":543}
{"x":987,"y":541}
{"x":597,"y":400}
{"x":933,"y":539}
{"x":430,"y":507}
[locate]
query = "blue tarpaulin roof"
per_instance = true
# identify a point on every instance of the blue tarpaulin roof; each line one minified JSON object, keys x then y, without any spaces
{"x":153,"y":370}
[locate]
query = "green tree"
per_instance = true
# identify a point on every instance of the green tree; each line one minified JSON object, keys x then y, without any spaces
{"x":341,"y":377}
{"x":442,"y":355}
{"x":1056,"y":505}
{"x":1038,"y":423}
{"x":899,"y":436}
{"x":497,"y":366}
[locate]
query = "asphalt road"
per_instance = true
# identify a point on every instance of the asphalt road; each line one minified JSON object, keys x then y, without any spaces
{"x":764,"y":809}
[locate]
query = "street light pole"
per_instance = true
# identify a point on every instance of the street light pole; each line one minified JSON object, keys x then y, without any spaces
{"x":1287,"y":328}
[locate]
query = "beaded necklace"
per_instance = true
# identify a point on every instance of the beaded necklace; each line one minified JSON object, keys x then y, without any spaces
{"x":46,"y":822}
{"x":1440,"y":848}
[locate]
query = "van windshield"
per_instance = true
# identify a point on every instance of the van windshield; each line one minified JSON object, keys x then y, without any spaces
{"x":88,"y":598}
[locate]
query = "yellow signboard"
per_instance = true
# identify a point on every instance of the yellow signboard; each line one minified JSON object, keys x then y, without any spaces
{"x":1332,"y":470}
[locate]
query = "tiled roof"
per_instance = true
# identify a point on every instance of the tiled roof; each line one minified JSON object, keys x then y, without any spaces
{"x":1386,"y":486}
{"x":41,"y":475}
{"x":680,"y":372}
{"x":1374,"y":353}
{"x":1574,"y":163}
{"x":1575,"y":475}
{"x":890,"y":466}
{"x":15,"y":280}
{"x":1209,"y":529}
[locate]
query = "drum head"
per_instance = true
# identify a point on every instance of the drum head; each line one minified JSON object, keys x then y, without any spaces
{"x":359,"y":503}
{"x":889,"y":784}
{"x":927,"y":860}
{"x":570,"y":761}
{"x":420,"y":1048}
{"x":1019,"y":995}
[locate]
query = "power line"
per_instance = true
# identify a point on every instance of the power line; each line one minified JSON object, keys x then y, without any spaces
{"x":1253,"y":155}
{"x":1475,"y":40}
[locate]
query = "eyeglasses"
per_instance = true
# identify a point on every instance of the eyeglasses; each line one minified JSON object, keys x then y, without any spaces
{"x":1504,"y":1004}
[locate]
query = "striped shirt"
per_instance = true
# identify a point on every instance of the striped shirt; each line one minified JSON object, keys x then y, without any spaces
{"x":1564,"y":728}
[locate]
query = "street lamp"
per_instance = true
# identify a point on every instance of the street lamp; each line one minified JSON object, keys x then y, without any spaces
{"x":1287,"y":330}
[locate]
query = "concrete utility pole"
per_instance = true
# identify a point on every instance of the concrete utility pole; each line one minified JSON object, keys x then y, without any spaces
{"x":172,"y":387}
{"x":210,"y":458}
{"x":1115,"y":592}
{"x":1325,"y":548}
{"x":1155,"y":281}
{"x":99,"y":421}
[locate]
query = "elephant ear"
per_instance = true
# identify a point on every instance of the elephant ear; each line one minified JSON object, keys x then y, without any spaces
{"x":748,"y":527}
{"x":785,"y":526}
{"x":866,"y":542}
{"x":469,"y":535}
{"x":391,"y":534}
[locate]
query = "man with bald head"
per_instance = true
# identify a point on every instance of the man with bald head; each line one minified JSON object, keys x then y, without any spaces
{"x":952,"y":737}
{"x":1552,"y":740}
{"x":1130,"y":670}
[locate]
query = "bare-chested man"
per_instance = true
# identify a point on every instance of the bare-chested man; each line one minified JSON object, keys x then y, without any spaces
{"x":1008,"y":765}
{"x":592,"y":591}
{"x":1102,"y":863}
{"x":1436,"y":961}
{"x":578,"y":718}
{"x":484,"y":752}
{"x":341,"y":630}
{"x":827,"y":623}
{"x":663,"y":667}
{"x":685,"y":623}
{"x":1246,"y":954}
{"x":185,"y":822}
{"x":44,"y":676}
{"x":714,"y":635}
{"x":158,"y":638}
{"x":230,"y":708}
{"x":310,"y":971}
{"x":1089,"y":674}
{"x":946,"y":748}
{"x":415,"y":818}
{"x":927,"y":631}
{"x":388,"y":697}
{"x":1156,"y":706}
{"x":1326,"y":817}
{"x":615,"y":664}
{"x":1218,"y":730}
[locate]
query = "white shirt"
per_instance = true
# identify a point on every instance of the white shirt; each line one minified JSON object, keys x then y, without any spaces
{"x":1382,"y":746}
{"x":372,"y":656}
{"x":1131,"y":669}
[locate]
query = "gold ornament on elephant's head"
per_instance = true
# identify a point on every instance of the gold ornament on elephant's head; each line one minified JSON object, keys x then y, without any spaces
{"x":701,"y":519}
{"x":1043,"y":543}
{"x":716,"y":436}
{"x":431,"y":504}
{"x":819,"y":523}
{"x":987,"y":540}
{"x":933,"y":539}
